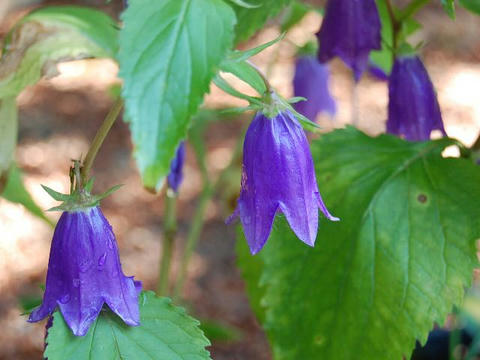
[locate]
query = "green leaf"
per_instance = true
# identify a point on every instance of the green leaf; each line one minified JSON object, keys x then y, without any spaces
{"x":398,"y":260}
{"x":50,"y":35}
{"x":169,"y":52}
{"x":166,"y":332}
{"x":384,"y":57}
{"x":471,"y":5}
{"x":449,"y":7}
{"x":15,"y":192}
{"x":8,"y":136}
{"x":241,"y":55}
{"x":244,"y":4}
{"x":246,"y":73}
{"x":251,"y":20}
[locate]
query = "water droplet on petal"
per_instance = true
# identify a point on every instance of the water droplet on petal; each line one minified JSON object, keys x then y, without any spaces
{"x":247,"y":220}
{"x":65,"y":299}
{"x":84,"y":265}
{"x":101,"y":261}
{"x":76,"y":282}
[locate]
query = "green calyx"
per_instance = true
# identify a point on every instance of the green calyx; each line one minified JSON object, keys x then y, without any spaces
{"x":79,"y":199}
{"x":273,"y":104}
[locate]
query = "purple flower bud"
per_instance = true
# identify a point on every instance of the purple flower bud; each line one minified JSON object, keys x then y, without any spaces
{"x":278,"y":175}
{"x":84,"y":272}
{"x":311,"y":82}
{"x":413,"y":110}
{"x":175,"y":176}
{"x":350,"y":30}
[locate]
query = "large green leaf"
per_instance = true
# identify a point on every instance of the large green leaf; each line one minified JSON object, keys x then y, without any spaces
{"x":8,"y":136}
{"x":169,"y":52}
{"x":471,"y":5}
{"x":50,"y":35}
{"x":397,"y":261}
{"x":252,"y":19}
{"x":14,"y":191}
{"x":166,"y":332}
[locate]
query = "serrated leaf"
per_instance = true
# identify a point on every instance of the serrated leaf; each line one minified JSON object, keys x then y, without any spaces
{"x":49,"y":35}
{"x":471,"y":5}
{"x":398,"y":260}
{"x":169,"y":51}
{"x":166,"y":332}
{"x":15,"y":192}
{"x":245,"y":4}
{"x":8,"y":136}
{"x":449,"y":7}
{"x":251,"y":20}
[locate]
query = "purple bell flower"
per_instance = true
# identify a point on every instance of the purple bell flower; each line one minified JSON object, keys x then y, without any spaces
{"x":175,"y":176}
{"x":278,"y":175}
{"x":311,"y":82}
{"x":350,"y":30}
{"x":84,"y":272}
{"x":413,"y":109}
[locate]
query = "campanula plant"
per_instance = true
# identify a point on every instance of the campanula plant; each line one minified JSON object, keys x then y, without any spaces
{"x":278,"y":177}
{"x":378,"y":281}
{"x":350,"y":30}
{"x":413,"y":109}
{"x":311,"y":81}
{"x":84,"y":270}
{"x":175,"y":176}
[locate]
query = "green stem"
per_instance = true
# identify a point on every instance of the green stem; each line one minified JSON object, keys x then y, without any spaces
{"x":192,"y":238}
{"x":169,"y":232}
{"x":411,"y":9}
{"x":100,"y":137}
{"x":199,"y":218}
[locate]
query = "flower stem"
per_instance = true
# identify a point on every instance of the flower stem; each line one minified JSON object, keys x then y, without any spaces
{"x":199,"y":217}
{"x":169,"y":232}
{"x":100,"y":137}
{"x":192,"y":238}
{"x":411,"y":9}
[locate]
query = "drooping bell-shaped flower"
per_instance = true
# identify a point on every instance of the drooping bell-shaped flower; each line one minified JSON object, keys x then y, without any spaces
{"x":311,"y":81}
{"x":278,"y":176}
{"x":413,"y":109}
{"x":350,"y":30}
{"x":84,"y":273}
{"x":175,"y":176}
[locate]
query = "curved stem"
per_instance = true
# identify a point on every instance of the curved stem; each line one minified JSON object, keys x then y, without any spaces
{"x":412,"y":8}
{"x":100,"y":137}
{"x":199,"y":217}
{"x":169,"y":232}
{"x":192,"y":238}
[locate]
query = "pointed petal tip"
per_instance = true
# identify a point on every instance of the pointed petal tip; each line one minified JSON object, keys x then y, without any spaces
{"x":324,"y":209}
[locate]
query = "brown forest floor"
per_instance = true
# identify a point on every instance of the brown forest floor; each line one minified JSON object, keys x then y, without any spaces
{"x":59,"y":117}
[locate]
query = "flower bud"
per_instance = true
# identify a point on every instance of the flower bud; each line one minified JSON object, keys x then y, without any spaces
{"x":350,"y":30}
{"x":413,"y":109}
